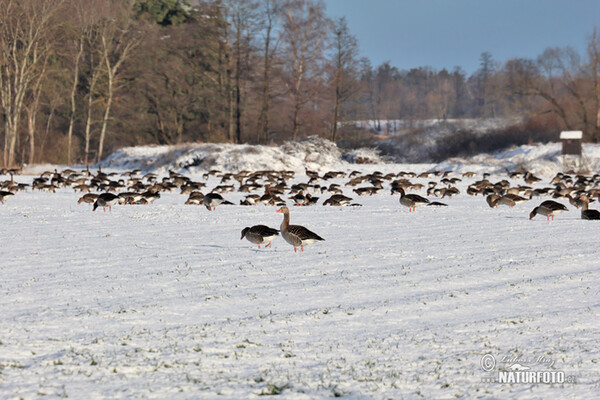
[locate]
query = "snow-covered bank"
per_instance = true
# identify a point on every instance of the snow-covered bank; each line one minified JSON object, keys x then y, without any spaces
{"x":321,"y":154}
{"x":312,"y":153}
{"x":541,"y":159}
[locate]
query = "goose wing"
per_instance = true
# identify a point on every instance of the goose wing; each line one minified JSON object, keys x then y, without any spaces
{"x":590,"y":214}
{"x":264,"y":230}
{"x":553,"y":205}
{"x":416,"y":198}
{"x":302,"y":233}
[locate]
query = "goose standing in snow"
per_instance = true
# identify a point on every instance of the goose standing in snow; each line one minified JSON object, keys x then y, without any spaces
{"x":492,"y":200}
{"x":337,"y":200}
{"x":511,"y":200}
{"x":412,"y":201}
{"x":5,"y":195}
{"x":106,"y":200}
{"x":259,"y":234}
{"x":296,"y":235}
{"x":586,"y":213}
{"x":549,"y":208}
{"x":88,"y":198}
{"x":212,"y":200}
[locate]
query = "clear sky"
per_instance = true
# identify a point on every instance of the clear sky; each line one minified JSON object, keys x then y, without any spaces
{"x":449,"y":33}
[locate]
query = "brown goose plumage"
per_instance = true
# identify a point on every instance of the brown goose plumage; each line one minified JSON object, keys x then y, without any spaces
{"x":296,"y":235}
{"x":259,"y":234}
{"x":549,"y":208}
{"x":412,"y":201}
{"x":586,"y":213}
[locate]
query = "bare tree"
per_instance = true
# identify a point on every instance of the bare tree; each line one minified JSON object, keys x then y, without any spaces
{"x":593,"y":49}
{"x":24,"y":42}
{"x":243,"y":17}
{"x":31,"y":107}
{"x":270,"y":13}
{"x":118,"y":39}
{"x":304,"y":35}
{"x":82,"y":18}
{"x":345,"y":65}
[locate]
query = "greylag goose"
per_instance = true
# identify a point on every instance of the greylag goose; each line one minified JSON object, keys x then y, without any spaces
{"x":492,"y":200}
{"x":5,"y":195}
{"x":412,"y":201}
{"x":259,"y":234}
{"x":337,"y":200}
{"x":300,"y":199}
{"x":212,"y":200}
{"x":296,"y":235}
{"x":311,"y":201}
{"x":195,"y":198}
{"x":549,"y":208}
{"x":88,"y":198}
{"x":511,"y":200}
{"x":578,"y":201}
{"x":586,"y":213}
{"x":106,"y":200}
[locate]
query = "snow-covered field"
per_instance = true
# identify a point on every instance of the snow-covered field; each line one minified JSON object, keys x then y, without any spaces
{"x":165,"y":301}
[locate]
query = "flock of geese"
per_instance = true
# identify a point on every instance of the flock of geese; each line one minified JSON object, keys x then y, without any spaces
{"x":270,"y":187}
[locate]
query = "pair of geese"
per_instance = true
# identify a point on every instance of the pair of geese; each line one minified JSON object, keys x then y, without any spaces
{"x":551,"y":208}
{"x":299,"y":236}
{"x":296,"y":235}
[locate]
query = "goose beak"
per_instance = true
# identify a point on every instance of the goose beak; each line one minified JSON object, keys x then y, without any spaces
{"x":279,"y":210}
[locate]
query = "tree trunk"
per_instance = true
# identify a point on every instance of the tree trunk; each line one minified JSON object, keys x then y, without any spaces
{"x":48,"y":124}
{"x":263,"y":119}
{"x":31,"y":132}
{"x":238,"y":111}
{"x":105,"y":118}
{"x":88,"y":126}
{"x":73,"y":92}
{"x":295,"y":122}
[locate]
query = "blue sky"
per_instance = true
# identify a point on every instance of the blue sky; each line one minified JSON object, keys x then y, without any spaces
{"x":449,"y":33}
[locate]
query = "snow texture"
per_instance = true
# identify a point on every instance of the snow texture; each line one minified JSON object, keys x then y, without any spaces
{"x":165,"y":301}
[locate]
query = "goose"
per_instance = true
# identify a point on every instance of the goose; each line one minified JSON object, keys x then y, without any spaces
{"x":412,"y":201}
{"x":300,"y":199}
{"x":131,"y":197}
{"x":492,"y":200}
{"x":259,"y":234}
{"x":311,"y":201}
{"x":212,"y":200}
{"x":337,"y":200}
{"x":296,"y":235}
{"x":578,"y":201}
{"x":511,"y":200}
{"x":549,"y":208}
{"x":5,"y":195}
{"x":106,"y":200}
{"x":150,"y":196}
{"x":195,"y":198}
{"x":588,"y":214}
{"x":88,"y":198}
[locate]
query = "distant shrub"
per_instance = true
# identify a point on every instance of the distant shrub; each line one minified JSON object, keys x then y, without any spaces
{"x":467,"y":143}
{"x":447,"y":140}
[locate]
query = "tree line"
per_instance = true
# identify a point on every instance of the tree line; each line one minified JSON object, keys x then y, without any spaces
{"x":79,"y":78}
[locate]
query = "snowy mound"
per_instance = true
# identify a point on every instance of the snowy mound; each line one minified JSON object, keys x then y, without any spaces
{"x":313,"y":153}
{"x":541,"y":159}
